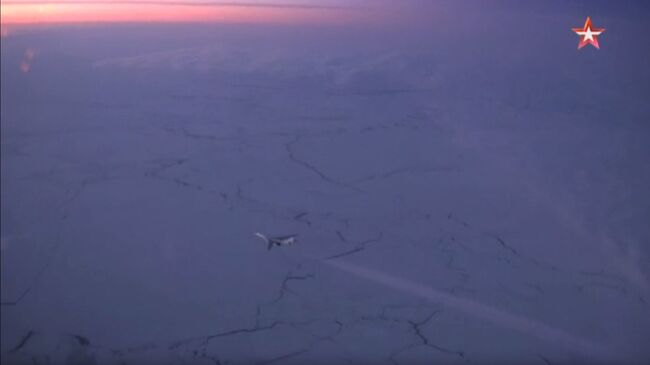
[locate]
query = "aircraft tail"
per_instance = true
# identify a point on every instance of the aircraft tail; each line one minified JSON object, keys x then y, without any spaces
{"x":268,"y":241}
{"x":262,"y":237}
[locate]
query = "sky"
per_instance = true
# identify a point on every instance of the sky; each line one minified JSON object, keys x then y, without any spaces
{"x":84,"y":11}
{"x":347,"y":12}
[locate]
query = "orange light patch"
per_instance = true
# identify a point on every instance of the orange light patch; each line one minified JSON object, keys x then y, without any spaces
{"x":26,"y":63}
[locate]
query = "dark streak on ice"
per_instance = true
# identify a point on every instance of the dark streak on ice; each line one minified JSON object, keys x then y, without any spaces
{"x":546,"y":361}
{"x":425,"y":341}
{"x":503,"y":244}
{"x":341,"y":237}
{"x":301,"y":218}
{"x":15,"y":302}
{"x":23,"y":341}
{"x":312,"y":168}
{"x":83,"y":341}
{"x":346,"y":253}
{"x":284,"y":357}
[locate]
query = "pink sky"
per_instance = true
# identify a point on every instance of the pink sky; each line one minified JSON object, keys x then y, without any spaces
{"x":73,"y":11}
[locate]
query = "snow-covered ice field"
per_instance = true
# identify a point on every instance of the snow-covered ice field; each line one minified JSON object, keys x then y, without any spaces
{"x":467,"y":189}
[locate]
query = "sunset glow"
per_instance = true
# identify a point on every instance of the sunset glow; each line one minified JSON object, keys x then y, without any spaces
{"x":30,"y":12}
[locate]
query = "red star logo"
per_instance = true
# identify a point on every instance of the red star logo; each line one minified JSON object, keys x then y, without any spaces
{"x":588,"y":34}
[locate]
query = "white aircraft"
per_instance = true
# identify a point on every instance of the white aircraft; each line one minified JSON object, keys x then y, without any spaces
{"x":278,"y":241}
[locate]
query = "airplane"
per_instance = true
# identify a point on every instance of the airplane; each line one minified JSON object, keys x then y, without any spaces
{"x":278,"y":241}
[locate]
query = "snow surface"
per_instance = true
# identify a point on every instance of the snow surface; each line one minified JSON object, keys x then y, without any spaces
{"x":467,"y":190}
